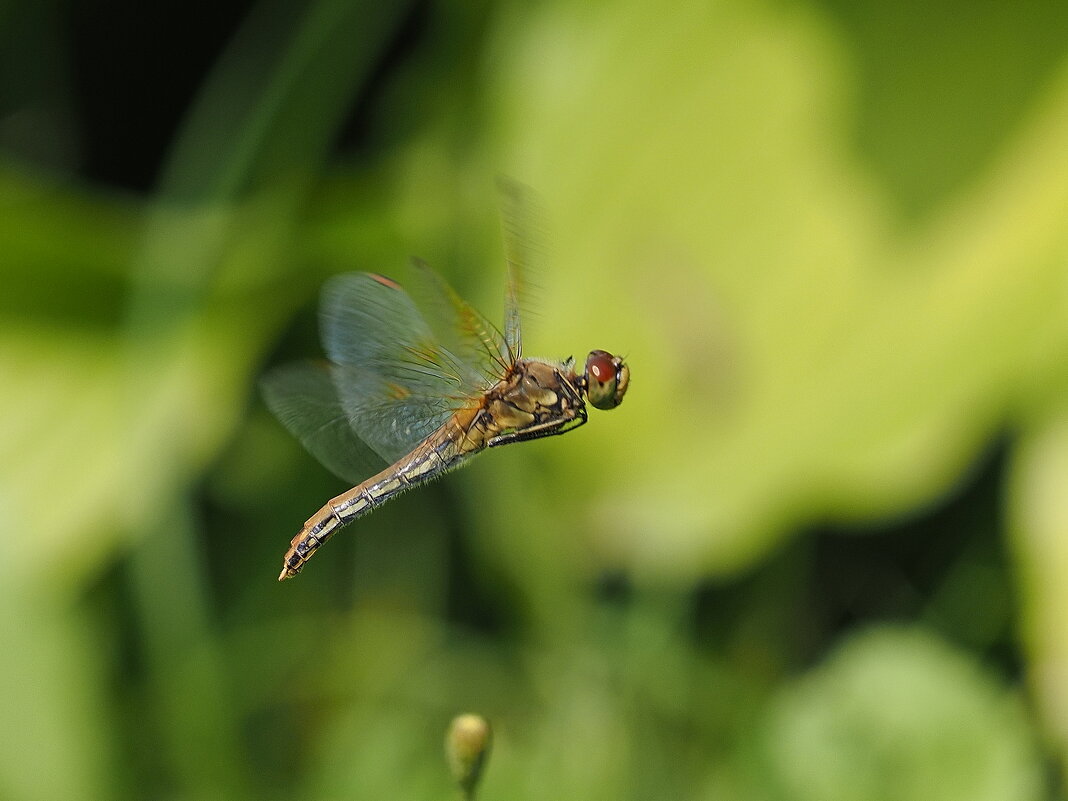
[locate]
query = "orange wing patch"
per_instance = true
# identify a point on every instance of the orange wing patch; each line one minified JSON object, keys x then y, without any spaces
{"x":384,"y":281}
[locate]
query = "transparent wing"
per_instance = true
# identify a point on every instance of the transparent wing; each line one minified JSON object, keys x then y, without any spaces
{"x":522,"y":253}
{"x":395,"y":382}
{"x":303,"y":397}
{"x":462,"y":329}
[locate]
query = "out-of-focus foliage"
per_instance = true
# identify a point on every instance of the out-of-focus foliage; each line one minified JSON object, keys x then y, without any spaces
{"x":938,"y":728}
{"x":830,"y":239}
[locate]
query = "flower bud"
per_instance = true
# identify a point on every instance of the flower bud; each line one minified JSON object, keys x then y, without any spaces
{"x":467,"y":746}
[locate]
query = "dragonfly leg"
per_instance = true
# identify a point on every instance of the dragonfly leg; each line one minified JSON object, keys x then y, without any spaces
{"x":548,"y":429}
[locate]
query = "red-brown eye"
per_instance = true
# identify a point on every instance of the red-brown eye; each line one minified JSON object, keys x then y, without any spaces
{"x":606,"y":379}
{"x":600,"y":367}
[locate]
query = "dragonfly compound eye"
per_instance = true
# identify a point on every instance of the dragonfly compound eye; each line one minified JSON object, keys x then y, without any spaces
{"x":607,"y":378}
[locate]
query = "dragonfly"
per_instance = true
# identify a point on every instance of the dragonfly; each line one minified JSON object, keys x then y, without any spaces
{"x":406,"y":395}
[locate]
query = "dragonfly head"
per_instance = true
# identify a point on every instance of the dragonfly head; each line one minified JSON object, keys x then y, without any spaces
{"x":605,"y":378}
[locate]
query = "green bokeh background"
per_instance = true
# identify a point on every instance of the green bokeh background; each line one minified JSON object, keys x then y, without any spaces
{"x":820,"y":552}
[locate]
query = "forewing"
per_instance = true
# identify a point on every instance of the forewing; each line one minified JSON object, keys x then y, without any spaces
{"x":395,"y":382}
{"x":478,"y":345}
{"x":303,"y":397}
{"x":519,"y":221}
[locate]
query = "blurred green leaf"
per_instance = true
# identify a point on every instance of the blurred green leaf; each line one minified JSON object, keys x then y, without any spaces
{"x":897,"y":714}
{"x":57,"y":731}
{"x":1040,"y":546}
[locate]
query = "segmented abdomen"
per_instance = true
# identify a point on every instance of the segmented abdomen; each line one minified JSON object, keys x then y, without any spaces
{"x":429,"y":460}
